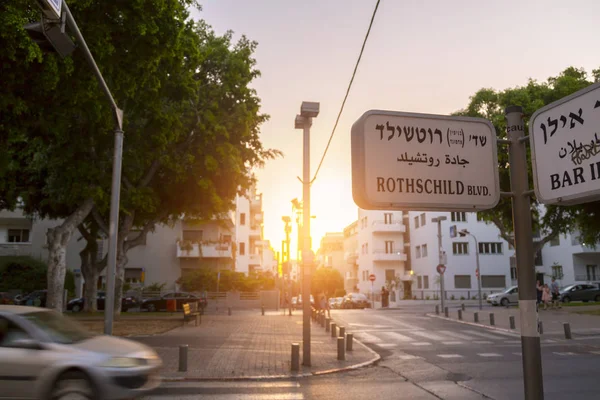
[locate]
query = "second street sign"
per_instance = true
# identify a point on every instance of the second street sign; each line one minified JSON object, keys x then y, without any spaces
{"x":424,"y":162}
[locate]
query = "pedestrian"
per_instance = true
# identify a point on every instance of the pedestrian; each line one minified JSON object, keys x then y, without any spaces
{"x":385,"y":297}
{"x":324,"y":304}
{"x":554,"y":289}
{"x":546,"y":296}
{"x":539,"y":289}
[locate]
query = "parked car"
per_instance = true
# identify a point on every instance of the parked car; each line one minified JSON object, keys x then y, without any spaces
{"x":504,"y":298}
{"x":356,"y":300}
{"x":36,"y":299}
{"x":6,"y":298}
{"x":336,"y":302}
{"x":45,"y":355}
{"x":76,"y":305}
{"x":580,"y":292}
{"x":160,"y":303}
{"x":294,"y":302}
{"x":312,"y":301}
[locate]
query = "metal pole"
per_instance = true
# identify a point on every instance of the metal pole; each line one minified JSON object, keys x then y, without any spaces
{"x":519,"y":185}
{"x":306,"y":227}
{"x":443,"y":293}
{"x":478,"y":273}
{"x":116,"y":173}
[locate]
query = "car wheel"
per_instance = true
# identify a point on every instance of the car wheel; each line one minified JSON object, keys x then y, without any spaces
{"x":151,"y":307}
{"x":504,"y":302}
{"x":566,"y":299}
{"x":73,"y":386}
{"x":76,"y":308}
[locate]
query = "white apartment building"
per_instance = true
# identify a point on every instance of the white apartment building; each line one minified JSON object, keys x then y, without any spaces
{"x":381,"y":250}
{"x":233,"y":241}
{"x":351,"y":250}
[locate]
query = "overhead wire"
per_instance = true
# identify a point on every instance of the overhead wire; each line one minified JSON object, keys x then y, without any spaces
{"x":347,"y":91}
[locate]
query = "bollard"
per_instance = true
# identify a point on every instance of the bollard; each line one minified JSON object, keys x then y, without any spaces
{"x":541,"y":327}
{"x":229,"y":310}
{"x":342,"y":332}
{"x":333,"y":330}
{"x":322,"y":320}
{"x":295,"y":356}
{"x":476,"y":317}
{"x":341,"y":348}
{"x":492,"y":319}
{"x":437,"y":310}
{"x":460,"y":315}
{"x":183,"y":353}
{"x":511,"y":319}
{"x":198,"y":319}
{"x":290,"y":312}
{"x":567,"y":330}
{"x":462,"y":306}
{"x":263,"y":310}
{"x":349,"y":340}
{"x":327,"y":322}
{"x":446,"y":312}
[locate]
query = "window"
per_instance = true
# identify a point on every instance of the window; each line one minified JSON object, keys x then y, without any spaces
{"x":11,"y":334}
{"x":390,"y":274}
{"x":193,"y":236}
{"x":242,"y":248}
{"x":417,"y":221}
{"x":387,"y":218}
{"x":243,"y":219}
{"x":424,"y":250}
{"x":423,"y":221}
{"x":418,"y":252}
{"x":490,"y":248}
{"x":389,"y":246}
{"x":557,"y":271}
{"x":493,"y":281}
{"x":513,"y":273}
{"x":367,"y":248}
{"x":419,"y":282}
{"x":459,"y":248}
{"x":462,"y":281}
{"x":555,"y":241}
{"x":458,"y":216}
{"x":538,"y":258}
{"x":18,"y":236}
{"x":591,"y":272}
{"x":426,"y":282}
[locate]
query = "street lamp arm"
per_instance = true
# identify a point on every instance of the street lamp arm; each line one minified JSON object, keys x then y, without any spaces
{"x":117,"y":113}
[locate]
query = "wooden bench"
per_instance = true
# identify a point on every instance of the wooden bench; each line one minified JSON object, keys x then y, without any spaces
{"x":190,"y":311}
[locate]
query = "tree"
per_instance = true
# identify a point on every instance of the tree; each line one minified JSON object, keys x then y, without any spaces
{"x":326,"y":280}
{"x":552,"y":220}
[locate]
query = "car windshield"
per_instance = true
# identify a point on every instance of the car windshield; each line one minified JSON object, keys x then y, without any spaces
{"x":60,"y":329}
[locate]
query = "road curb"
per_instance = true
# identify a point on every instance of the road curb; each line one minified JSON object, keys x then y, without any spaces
{"x":493,"y":328}
{"x":376,"y":357}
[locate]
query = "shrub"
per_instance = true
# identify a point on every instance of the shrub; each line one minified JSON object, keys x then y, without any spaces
{"x":462,"y":297}
{"x":28,"y":274}
{"x":414,"y":297}
{"x":452,"y":297}
{"x":427,"y":297}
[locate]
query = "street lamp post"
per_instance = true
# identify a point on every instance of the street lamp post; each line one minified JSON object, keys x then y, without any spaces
{"x":308,"y":111}
{"x":439,"y":220}
{"x":477,"y":270}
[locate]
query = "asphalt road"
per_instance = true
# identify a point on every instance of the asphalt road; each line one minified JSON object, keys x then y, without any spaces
{"x":424,"y":358}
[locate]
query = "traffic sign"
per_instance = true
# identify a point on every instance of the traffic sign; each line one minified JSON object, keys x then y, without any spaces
{"x":477,"y":273}
{"x":405,"y":161}
{"x":54,"y":7}
{"x":372,"y":277}
{"x":565,"y":148}
{"x":441,"y":268}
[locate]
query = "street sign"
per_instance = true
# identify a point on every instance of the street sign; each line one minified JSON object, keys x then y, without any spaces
{"x":424,"y":162}
{"x":453,"y":231}
{"x":53,"y":6}
{"x":565,"y":148}
{"x":441,"y":268}
{"x":372,"y":277}
{"x":477,"y":273}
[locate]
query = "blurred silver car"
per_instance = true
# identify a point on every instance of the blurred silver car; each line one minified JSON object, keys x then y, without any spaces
{"x":44,"y":355}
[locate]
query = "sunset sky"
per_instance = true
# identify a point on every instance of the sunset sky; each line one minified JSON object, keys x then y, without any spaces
{"x":422,"y":56}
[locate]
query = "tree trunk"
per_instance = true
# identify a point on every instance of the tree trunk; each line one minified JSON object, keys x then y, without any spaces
{"x":58,"y":239}
{"x":119,"y":280}
{"x":90,"y":285}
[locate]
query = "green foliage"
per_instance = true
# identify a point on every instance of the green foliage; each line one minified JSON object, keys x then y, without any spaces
{"x":206,"y":279}
{"x":339,"y":293}
{"x":490,"y":104}
{"x":155,"y":287}
{"x":326,"y":280}
{"x":452,"y":297}
{"x":462,"y":297}
{"x":27,"y":274}
{"x":427,"y":297}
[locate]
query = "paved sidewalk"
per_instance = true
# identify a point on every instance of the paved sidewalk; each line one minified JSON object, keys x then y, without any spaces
{"x":553,"y":320}
{"x":247,"y":345}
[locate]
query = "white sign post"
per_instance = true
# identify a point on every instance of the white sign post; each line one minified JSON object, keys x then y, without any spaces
{"x":565,"y":148}
{"x":424,"y":162}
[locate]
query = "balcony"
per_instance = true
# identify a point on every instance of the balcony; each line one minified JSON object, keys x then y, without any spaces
{"x":188,"y":250}
{"x":216,"y":250}
{"x":256,"y":203}
{"x":587,"y":278}
{"x":351,"y":257}
{"x":381,"y":255}
{"x":255,"y":232}
{"x":15,"y":249}
{"x":254,"y":259}
{"x":388,"y":227}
